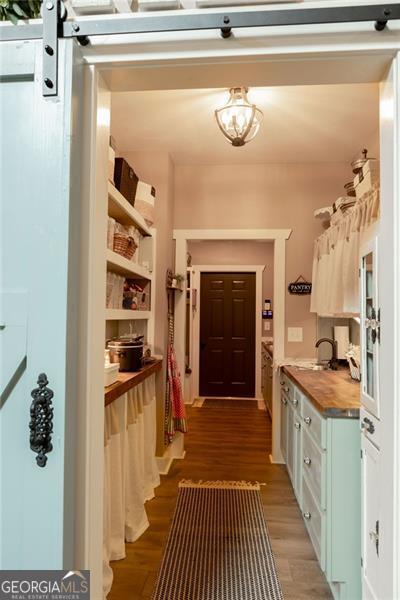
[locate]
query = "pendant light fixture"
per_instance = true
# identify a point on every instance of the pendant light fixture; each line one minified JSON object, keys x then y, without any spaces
{"x":239,"y":120}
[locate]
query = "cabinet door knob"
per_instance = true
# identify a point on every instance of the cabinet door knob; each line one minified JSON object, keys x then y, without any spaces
{"x":297,"y":425}
{"x":307,"y":420}
{"x":307,"y":461}
{"x":307,"y":515}
{"x":295,"y":402}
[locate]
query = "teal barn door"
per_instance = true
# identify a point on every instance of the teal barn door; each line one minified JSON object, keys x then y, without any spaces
{"x":38,"y":306}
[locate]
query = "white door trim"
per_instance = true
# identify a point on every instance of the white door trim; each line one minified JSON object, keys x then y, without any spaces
{"x":197,"y":271}
{"x":318,"y":55}
{"x":279,"y":237}
{"x":389,"y":286}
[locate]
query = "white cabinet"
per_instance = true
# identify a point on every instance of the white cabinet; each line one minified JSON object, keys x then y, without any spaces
{"x":370,"y":413}
{"x":290,"y":452}
{"x":284,"y":424}
{"x":370,"y":327}
{"x":297,"y":445}
{"x":291,"y":434}
{"x":370,"y":519}
{"x":286,"y":397}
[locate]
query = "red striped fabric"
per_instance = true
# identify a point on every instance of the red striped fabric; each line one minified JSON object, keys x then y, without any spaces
{"x":178,"y":415}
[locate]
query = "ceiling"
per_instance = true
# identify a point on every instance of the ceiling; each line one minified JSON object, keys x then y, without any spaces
{"x":314,"y":123}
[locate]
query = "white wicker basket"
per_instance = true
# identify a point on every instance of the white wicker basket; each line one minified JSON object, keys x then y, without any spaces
{"x":354,"y":368}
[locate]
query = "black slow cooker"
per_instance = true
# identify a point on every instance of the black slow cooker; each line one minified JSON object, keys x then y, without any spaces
{"x":128,"y":351}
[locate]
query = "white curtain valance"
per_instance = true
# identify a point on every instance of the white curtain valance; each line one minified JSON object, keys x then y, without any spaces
{"x":335,"y":289}
{"x":130,"y":470}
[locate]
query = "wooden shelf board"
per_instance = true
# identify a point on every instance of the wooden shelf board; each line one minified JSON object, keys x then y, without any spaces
{"x":123,"y":212}
{"x":115,"y":314}
{"x":127,"y":381}
{"x":123,"y":266}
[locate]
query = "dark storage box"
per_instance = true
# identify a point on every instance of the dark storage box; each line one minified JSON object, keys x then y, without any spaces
{"x":125,"y":179}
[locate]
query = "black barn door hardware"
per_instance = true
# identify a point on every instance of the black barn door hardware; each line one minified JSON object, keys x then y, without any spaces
{"x":55,"y":25}
{"x":53,"y":13}
{"x":41,"y":423}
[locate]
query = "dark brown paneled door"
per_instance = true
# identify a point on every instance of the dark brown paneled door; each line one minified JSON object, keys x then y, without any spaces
{"x":227,"y":334}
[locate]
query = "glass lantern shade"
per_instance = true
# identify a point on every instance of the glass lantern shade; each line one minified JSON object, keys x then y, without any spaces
{"x":239,"y":120}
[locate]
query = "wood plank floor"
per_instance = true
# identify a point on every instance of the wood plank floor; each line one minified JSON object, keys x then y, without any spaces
{"x":227,"y":444}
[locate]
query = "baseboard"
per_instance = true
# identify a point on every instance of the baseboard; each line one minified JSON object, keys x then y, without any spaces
{"x":276,"y":462}
{"x":175,"y":451}
{"x":164,"y":464}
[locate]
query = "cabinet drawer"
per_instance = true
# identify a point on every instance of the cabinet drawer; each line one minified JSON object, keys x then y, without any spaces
{"x":314,"y":469}
{"x":314,"y":424}
{"x":315,"y":522}
{"x":287,"y":387}
{"x":297,"y":399}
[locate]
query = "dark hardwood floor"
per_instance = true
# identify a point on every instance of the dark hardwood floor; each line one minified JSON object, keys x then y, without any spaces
{"x":232,"y":445}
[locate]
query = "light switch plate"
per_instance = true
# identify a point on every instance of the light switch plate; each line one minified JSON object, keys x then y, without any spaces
{"x":295,"y":334}
{"x":267,"y":325}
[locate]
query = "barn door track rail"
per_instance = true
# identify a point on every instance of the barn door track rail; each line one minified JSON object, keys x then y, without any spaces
{"x":55,"y":25}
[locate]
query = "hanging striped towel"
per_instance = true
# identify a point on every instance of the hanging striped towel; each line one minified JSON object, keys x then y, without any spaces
{"x":177,"y":421}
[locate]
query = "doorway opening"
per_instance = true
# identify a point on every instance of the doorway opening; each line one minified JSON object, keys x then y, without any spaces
{"x":187,"y":213}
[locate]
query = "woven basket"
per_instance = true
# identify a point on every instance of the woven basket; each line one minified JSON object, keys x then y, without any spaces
{"x":131,"y":248}
{"x":121,"y":243}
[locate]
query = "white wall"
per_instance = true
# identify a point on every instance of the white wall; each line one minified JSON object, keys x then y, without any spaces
{"x":265,"y":196}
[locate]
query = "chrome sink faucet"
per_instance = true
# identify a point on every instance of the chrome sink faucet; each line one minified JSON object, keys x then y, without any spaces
{"x":333,"y":363}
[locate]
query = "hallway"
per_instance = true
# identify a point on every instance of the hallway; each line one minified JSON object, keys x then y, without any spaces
{"x":229,"y":444}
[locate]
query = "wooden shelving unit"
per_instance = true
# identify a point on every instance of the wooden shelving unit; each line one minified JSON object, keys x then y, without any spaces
{"x":123,"y":212}
{"x":115,"y":314}
{"x":122,"y":321}
{"x":121,"y":265}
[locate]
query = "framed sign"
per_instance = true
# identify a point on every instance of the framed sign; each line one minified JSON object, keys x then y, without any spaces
{"x":300,"y":287}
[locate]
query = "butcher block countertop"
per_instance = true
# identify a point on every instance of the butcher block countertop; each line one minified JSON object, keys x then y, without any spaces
{"x":127,"y":381}
{"x":333,"y":393}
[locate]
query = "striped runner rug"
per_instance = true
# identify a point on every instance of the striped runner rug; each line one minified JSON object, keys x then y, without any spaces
{"x":218,"y":546}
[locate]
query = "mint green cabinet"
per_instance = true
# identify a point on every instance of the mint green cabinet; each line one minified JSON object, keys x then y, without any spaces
{"x":323,"y":461}
{"x":343,"y":530}
{"x":291,"y":440}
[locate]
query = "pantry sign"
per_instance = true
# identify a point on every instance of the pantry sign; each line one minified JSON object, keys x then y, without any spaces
{"x":300,"y":287}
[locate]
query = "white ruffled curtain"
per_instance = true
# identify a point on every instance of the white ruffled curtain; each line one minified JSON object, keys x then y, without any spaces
{"x":335,"y":289}
{"x":130,"y":471}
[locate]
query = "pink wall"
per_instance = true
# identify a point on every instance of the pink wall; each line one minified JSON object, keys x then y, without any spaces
{"x":238,"y":253}
{"x":265,"y":196}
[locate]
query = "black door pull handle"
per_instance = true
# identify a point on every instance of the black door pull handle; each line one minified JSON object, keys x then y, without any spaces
{"x":41,"y":423}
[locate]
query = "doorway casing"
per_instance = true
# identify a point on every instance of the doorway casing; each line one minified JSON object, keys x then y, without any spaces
{"x":324,"y":55}
{"x":278,"y":237}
